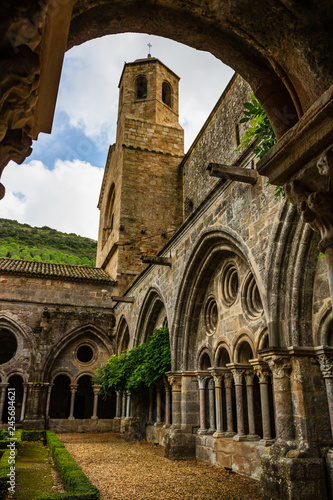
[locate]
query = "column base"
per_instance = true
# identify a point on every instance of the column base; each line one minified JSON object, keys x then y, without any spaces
{"x":266,"y":442}
{"x":240,"y":437}
{"x":166,"y":426}
{"x":94,"y":418}
{"x":158,"y":424}
{"x":71,"y":418}
{"x":253,"y":437}
{"x":211,"y":431}
{"x":33,"y":424}
{"x":202,"y":431}
{"x":218,"y":434}
{"x":229,"y":434}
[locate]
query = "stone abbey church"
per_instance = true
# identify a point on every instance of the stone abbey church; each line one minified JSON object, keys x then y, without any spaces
{"x":199,"y":243}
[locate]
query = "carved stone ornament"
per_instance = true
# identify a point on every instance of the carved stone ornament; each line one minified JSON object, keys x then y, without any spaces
{"x":202,"y":381}
{"x":238,"y":376}
{"x":326,"y":365}
{"x":218,"y":380}
{"x":20,"y":47}
{"x":249,"y":376}
{"x":175,"y":383}
{"x":279,"y":366}
{"x":228,"y":380}
{"x":262,"y":373}
{"x":316,"y":208}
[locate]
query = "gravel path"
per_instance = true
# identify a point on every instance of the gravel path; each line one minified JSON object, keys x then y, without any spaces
{"x":137,"y":470}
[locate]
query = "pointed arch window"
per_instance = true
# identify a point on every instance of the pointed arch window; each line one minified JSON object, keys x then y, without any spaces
{"x":109,"y":215}
{"x":141,"y":85}
{"x":167,"y":94}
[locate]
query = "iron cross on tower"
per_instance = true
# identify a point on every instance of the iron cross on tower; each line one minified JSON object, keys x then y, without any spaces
{"x":150,"y":46}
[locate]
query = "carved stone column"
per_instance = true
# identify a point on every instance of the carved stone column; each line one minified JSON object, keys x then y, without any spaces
{"x":202,"y":379}
{"x":158,"y":406}
{"x":24,"y":401}
{"x":73,"y":389}
{"x":249,"y":376}
{"x":3,"y":388}
{"x":238,"y":374}
{"x":262,"y":372}
{"x":167,"y":404}
{"x":176,"y":389}
{"x":280,"y":366}
{"x":325,"y":358}
{"x":48,"y":399}
{"x":123,"y":405}
{"x":128,"y":405}
{"x":218,"y":405}
{"x":118,"y":404}
{"x":315,"y":205}
{"x":96,"y":389}
{"x":228,"y":378}
{"x":211,"y":399}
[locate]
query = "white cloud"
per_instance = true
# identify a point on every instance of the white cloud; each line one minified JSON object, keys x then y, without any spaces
{"x":64,"y":198}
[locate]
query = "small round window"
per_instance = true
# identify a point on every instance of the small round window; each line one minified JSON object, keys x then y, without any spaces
{"x":211,"y":316}
{"x":229,"y":284}
{"x":84,"y":354}
{"x":8,"y":345}
{"x":251,"y":298}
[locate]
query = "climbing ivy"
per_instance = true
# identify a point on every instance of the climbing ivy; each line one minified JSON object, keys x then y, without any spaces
{"x":261,"y":131}
{"x":138,"y":368}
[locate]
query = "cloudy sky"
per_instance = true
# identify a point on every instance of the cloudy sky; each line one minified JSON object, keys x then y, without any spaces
{"x":58,"y":185}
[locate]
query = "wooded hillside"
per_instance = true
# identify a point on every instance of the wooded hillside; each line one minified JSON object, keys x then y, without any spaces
{"x":21,"y":241}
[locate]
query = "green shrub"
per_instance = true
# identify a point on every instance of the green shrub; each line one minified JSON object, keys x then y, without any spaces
{"x":4,"y":472}
{"x":75,"y":481}
{"x":33,"y":435}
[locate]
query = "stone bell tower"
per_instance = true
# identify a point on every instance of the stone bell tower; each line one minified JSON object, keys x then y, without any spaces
{"x":141,"y":196}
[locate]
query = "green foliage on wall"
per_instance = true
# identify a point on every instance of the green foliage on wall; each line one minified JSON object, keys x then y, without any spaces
{"x":43,"y":244}
{"x":138,"y":368}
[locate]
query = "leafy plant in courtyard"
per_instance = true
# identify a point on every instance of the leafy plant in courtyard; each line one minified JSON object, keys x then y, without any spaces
{"x":138,"y":368}
{"x":261,"y":131}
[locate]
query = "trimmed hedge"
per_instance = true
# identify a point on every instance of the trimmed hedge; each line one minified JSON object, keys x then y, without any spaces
{"x":33,"y":435}
{"x":4,"y":472}
{"x":75,"y":481}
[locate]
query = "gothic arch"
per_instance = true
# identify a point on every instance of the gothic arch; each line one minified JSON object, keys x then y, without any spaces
{"x":222,"y":354}
{"x":290,"y":277}
{"x":233,"y":32}
{"x":208,"y":252}
{"x":242,"y":348}
{"x":324,"y":334}
{"x":88,"y":331}
{"x":205,"y":359}
{"x":122,"y":335}
{"x":152,"y":307}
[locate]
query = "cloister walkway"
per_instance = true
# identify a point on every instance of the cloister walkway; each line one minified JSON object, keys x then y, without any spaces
{"x":137,"y":470}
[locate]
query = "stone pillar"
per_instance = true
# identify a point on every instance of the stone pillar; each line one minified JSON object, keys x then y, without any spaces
{"x":73,"y":389}
{"x":24,"y":401}
{"x":228,"y":397}
{"x":96,"y":389}
{"x":48,"y":399}
{"x":211,"y":399}
{"x":2,"y":400}
{"x":280,"y":366}
{"x":176,"y":391}
{"x":218,"y":405}
{"x":202,"y":400}
{"x":325,"y":358}
{"x":118,"y":404}
{"x":128,"y":405}
{"x":150,"y":408}
{"x":238,"y":374}
{"x":158,"y":405}
{"x":167,"y":404}
{"x":123,"y":405}
{"x":262,"y":372}
{"x":249,"y":375}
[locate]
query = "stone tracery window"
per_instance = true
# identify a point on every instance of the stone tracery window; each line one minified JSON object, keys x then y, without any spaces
{"x":141,"y":85}
{"x":8,"y":345}
{"x":229,"y":283}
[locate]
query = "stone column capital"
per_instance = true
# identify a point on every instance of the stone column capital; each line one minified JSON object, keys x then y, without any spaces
{"x":202,"y":380}
{"x":261,"y":370}
{"x":325,"y":359}
{"x":4,"y":385}
{"x":96,"y":388}
{"x":73,"y":388}
{"x":228,"y":378}
{"x":175,"y":380}
{"x":280,"y":365}
{"x":238,"y":370}
{"x":249,"y":376}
